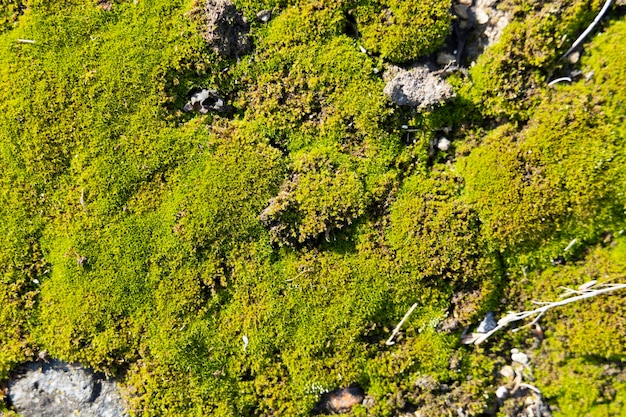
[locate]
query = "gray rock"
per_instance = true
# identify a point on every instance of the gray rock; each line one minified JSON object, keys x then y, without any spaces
{"x":58,"y":388}
{"x":444,"y":58}
{"x":488,"y":324}
{"x":418,"y":87}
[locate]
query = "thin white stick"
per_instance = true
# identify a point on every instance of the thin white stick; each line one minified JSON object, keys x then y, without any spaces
{"x":395,"y":331}
{"x":587,"y":31}
{"x":25,"y":41}
{"x":530,"y":387}
{"x":513,"y":317}
{"x":559,"y":80}
{"x":573,"y":241}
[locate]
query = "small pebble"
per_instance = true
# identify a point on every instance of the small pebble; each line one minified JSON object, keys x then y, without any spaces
{"x":340,"y":400}
{"x":264,"y":16}
{"x":443,"y":144}
{"x":519,"y":357}
{"x":502,"y":392}
{"x":481,"y":16}
{"x":573,"y":57}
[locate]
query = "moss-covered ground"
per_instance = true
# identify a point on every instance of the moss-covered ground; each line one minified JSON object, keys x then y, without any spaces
{"x":241,"y":264}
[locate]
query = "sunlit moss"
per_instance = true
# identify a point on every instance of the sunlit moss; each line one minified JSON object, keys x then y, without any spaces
{"x":242,"y":263}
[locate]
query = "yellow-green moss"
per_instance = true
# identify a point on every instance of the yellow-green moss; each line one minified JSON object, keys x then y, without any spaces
{"x":142,"y":241}
{"x":401,"y":30}
{"x":508,"y":78}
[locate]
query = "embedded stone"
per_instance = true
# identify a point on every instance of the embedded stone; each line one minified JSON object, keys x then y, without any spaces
{"x":418,"y":87}
{"x":56,"y":388}
{"x":487,"y":324}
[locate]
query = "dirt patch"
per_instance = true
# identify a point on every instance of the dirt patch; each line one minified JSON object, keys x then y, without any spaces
{"x":224,"y":28}
{"x":478,"y":24}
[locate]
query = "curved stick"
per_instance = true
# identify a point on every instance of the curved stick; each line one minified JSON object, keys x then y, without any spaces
{"x":587,"y":31}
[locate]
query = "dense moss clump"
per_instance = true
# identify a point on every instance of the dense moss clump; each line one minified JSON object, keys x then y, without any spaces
{"x":248,"y":261}
{"x":508,"y":76}
{"x":403,"y":30}
{"x":435,"y":232}
{"x":577,"y":364}
{"x":10,"y":12}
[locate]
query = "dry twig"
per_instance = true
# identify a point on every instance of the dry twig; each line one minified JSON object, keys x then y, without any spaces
{"x":585,"y":291}
{"x":395,"y":331}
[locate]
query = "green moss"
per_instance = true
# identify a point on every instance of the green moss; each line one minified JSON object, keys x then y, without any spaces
{"x":10,"y":10}
{"x":560,"y":174}
{"x":401,"y":31}
{"x":147,"y":242}
{"x":434,"y":232}
{"x":508,"y":78}
{"x":578,"y":365}
{"x":514,"y":202}
{"x":22,"y":263}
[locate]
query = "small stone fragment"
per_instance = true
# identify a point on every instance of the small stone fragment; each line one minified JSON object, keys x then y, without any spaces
{"x":502,"y":392}
{"x":573,"y":57}
{"x":487,"y":324}
{"x":507,"y":371}
{"x":481,"y":16}
{"x":417,"y":86}
{"x":519,"y":357}
{"x":204,"y":101}
{"x":443,"y":144}
{"x":105,"y":5}
{"x":340,"y":400}
{"x":264,"y":16}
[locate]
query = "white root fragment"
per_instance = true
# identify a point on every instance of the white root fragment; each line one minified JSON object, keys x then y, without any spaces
{"x":559,"y":80}
{"x":589,"y":290}
{"x":589,"y":29}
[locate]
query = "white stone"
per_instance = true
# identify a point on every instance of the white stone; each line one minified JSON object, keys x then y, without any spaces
{"x":502,"y":392}
{"x":443,"y":144}
{"x":481,"y":16}
{"x":519,"y":357}
{"x":507,"y":371}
